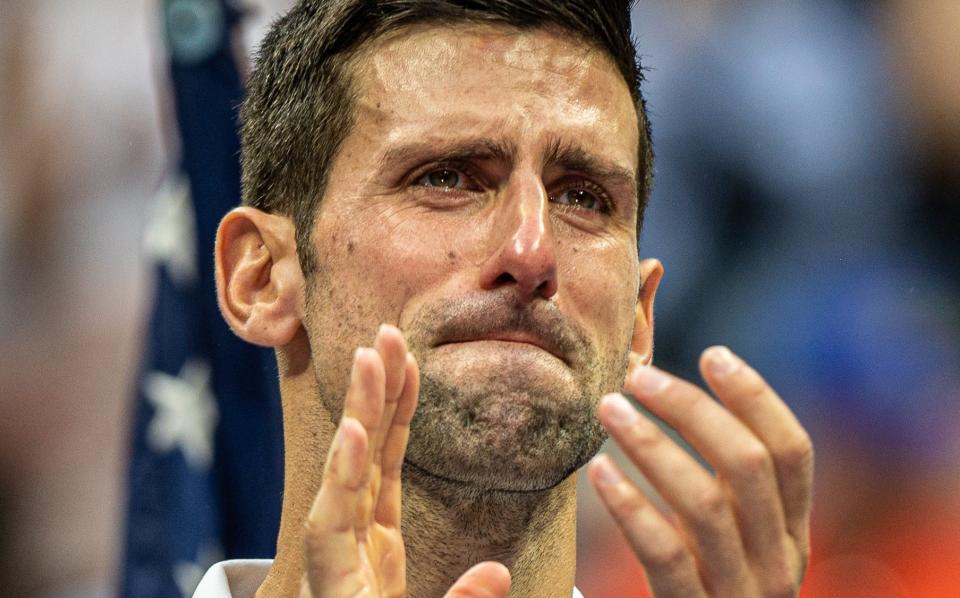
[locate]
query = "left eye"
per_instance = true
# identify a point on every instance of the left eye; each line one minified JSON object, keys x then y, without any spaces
{"x":442,"y":178}
{"x":580,"y":198}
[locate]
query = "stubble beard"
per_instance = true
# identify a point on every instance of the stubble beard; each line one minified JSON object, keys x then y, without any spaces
{"x":518,"y":432}
{"x":508,"y":435}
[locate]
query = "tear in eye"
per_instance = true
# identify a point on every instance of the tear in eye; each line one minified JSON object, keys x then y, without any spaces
{"x":443,"y":178}
{"x":580,"y":198}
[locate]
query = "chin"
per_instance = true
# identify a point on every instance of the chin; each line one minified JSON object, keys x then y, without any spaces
{"x":498,"y":439}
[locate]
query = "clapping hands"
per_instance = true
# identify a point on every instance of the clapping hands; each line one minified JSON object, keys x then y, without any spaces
{"x":353,"y":544}
{"x":742,"y":532}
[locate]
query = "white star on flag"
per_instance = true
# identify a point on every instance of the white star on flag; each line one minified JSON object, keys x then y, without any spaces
{"x":170,"y":234}
{"x":185,"y":412}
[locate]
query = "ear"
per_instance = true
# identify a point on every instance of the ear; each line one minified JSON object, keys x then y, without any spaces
{"x":260,"y":287}
{"x":641,"y":346}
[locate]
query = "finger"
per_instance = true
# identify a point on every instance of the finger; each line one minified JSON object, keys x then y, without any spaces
{"x":332,"y":525}
{"x":697,"y":497}
{"x":762,"y":410}
{"x":670,"y":566}
{"x":395,"y":447}
{"x":364,"y":403}
{"x":740,"y":458}
{"x":391,"y":347}
{"x":365,"y":394}
{"x":483,"y":580}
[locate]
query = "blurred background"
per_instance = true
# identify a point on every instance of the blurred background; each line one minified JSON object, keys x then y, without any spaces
{"x":807,"y":210}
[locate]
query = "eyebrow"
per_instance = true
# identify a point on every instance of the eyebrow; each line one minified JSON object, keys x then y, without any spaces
{"x":559,"y":153}
{"x":457,"y":151}
{"x":575,"y":158}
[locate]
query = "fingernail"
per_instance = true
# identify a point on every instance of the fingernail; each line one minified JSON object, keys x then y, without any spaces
{"x":356,"y":362}
{"x":344,"y":460}
{"x":649,"y":380}
{"x":337,"y":443}
{"x":722,"y":361}
{"x":606,"y":474}
{"x":378,"y":337}
{"x":623,"y":412}
{"x":339,"y":450}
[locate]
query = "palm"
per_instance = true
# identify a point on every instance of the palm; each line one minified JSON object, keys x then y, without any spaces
{"x":382,"y":561}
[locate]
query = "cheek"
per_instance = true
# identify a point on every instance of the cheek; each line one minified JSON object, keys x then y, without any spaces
{"x":392,"y":259}
{"x":601,"y":286}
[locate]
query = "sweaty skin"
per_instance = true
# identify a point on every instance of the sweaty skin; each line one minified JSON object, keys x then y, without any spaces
{"x":484,"y":206}
{"x":503,"y":416}
{"x":424,"y":99}
{"x":515,"y":115}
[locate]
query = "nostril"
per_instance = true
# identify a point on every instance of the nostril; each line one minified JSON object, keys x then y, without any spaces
{"x":504,"y":278}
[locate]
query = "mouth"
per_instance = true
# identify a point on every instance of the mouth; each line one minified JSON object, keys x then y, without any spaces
{"x":518,"y":338}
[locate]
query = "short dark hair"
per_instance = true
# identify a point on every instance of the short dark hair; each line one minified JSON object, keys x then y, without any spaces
{"x":299,"y":106}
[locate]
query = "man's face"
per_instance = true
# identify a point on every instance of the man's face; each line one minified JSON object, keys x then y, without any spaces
{"x":485,"y":202}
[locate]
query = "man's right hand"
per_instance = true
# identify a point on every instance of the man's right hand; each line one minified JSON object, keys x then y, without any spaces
{"x":353,"y":543}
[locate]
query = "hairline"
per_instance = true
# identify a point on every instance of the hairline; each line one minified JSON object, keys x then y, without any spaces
{"x":354,"y":59}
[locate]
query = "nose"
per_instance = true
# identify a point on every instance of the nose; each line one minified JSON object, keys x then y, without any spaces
{"x":523,"y":246}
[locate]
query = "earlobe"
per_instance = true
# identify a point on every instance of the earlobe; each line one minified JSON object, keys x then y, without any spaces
{"x":641,"y":347}
{"x":259,"y":281}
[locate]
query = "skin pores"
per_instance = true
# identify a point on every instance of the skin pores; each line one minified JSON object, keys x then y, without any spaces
{"x":485,"y":203}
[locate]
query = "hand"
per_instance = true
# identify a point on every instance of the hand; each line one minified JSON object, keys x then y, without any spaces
{"x":743,"y":532}
{"x":353,"y":545}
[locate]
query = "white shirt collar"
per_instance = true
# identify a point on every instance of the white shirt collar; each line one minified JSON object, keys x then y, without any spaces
{"x":240,"y":578}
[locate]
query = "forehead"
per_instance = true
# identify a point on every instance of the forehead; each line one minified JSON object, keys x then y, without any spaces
{"x":434,"y":81}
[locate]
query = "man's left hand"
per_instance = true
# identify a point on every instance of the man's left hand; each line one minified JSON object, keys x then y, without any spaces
{"x":743,"y":532}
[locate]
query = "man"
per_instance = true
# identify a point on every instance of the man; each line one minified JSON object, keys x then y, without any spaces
{"x":442,"y":206}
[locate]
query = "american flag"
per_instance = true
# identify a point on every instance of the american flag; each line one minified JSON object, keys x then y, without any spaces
{"x":205,"y":475}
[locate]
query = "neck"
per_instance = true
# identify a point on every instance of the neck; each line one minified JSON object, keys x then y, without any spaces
{"x":308,"y":431}
{"x":448,"y":528}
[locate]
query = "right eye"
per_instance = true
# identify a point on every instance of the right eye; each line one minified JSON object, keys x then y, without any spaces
{"x":445,"y":179}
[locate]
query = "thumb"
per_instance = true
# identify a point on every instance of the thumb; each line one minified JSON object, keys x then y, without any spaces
{"x":483,"y":580}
